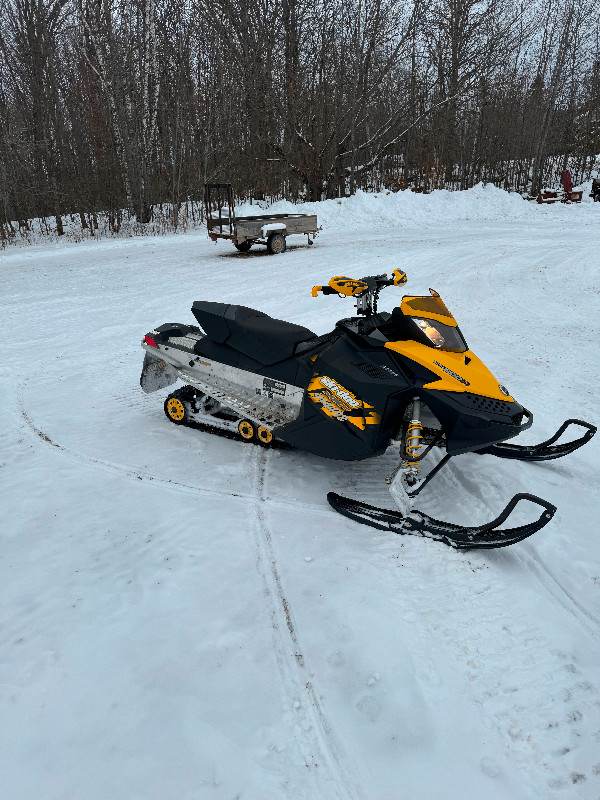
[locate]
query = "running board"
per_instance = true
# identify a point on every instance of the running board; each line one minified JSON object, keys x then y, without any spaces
{"x":545,"y":451}
{"x":456,"y":536}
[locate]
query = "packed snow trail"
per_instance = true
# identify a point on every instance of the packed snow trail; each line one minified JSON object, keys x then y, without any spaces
{"x":322,"y":750}
{"x":183,"y":615}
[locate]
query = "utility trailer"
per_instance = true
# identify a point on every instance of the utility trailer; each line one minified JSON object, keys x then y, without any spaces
{"x":266,"y":229}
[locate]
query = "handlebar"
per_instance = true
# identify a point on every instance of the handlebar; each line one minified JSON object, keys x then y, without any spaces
{"x":365,"y":290}
{"x":350,"y":287}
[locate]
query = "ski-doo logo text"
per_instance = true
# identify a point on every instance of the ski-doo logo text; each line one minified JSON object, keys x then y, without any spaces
{"x":340,"y":392}
{"x":454,"y":375}
{"x":340,"y":404}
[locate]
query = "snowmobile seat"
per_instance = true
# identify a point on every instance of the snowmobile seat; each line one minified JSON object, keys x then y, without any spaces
{"x":263,"y":338}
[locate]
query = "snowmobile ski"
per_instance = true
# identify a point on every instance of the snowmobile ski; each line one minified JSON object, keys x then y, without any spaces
{"x":457,"y":536}
{"x":544,"y":451}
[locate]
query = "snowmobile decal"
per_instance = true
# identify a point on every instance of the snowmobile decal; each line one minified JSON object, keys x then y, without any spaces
{"x":347,"y":287}
{"x":341,"y":404}
{"x":271,"y":387}
{"x":156,"y":374}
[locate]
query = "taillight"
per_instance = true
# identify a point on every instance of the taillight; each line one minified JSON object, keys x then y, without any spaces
{"x":149,"y":340}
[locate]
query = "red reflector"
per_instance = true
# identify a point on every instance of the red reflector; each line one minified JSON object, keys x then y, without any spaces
{"x":149,"y":340}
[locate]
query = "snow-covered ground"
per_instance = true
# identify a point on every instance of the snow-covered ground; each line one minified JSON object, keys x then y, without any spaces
{"x":184,"y":617}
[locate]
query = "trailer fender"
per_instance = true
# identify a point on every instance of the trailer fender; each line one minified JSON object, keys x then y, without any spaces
{"x":274,"y":227}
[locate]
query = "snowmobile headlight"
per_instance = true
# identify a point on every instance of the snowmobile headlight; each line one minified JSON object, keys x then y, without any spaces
{"x":445,"y":337}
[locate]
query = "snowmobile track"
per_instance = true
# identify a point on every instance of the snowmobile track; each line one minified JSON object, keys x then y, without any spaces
{"x":294,"y":673}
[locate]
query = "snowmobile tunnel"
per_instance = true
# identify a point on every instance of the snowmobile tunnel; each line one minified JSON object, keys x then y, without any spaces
{"x":257,"y":335}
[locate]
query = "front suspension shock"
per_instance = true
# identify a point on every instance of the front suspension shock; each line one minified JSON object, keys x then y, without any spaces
{"x":413,"y":443}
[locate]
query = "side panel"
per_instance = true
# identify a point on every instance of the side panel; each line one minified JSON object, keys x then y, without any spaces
{"x":252,"y":229}
{"x":353,"y":403}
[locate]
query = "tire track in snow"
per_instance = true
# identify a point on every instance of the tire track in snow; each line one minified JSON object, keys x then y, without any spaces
{"x":294,"y":673}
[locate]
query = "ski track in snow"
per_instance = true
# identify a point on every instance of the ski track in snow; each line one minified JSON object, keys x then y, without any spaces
{"x":321,"y":751}
{"x":314,"y":736}
{"x":549,"y":582}
{"x":137,"y":473}
{"x":318,"y":731}
{"x":588,"y":621}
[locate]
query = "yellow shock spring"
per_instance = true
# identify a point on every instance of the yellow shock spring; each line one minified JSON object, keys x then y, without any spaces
{"x":413,"y":443}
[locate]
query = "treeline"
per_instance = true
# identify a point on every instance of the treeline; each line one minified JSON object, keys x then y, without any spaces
{"x":108,"y":105}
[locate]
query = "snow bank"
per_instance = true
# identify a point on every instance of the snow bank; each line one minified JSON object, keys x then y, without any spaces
{"x":385,"y":209}
{"x":366,"y":210}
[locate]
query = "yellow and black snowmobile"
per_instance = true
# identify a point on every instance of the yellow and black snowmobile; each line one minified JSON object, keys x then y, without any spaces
{"x":404,"y":379}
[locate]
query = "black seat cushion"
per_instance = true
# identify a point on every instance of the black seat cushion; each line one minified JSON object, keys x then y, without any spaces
{"x":251,"y":332}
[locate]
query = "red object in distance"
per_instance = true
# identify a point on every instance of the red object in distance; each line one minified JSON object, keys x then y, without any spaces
{"x":566,"y":181}
{"x":149,"y":340}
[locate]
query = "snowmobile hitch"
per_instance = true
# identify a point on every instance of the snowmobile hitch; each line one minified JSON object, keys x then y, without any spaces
{"x":460,"y":538}
{"x":544,"y":451}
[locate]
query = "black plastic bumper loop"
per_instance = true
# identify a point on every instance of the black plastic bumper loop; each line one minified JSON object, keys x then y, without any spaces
{"x":544,"y":451}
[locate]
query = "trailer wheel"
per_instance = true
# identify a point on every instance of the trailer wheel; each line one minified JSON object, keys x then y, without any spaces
{"x":596,"y":198}
{"x":243,"y":247}
{"x":276,"y":244}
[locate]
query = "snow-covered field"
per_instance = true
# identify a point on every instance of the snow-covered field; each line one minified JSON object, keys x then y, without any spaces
{"x":183,"y":617}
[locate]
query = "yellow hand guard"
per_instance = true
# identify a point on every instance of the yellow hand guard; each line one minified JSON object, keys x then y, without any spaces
{"x":348,"y":287}
{"x":399,"y":277}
